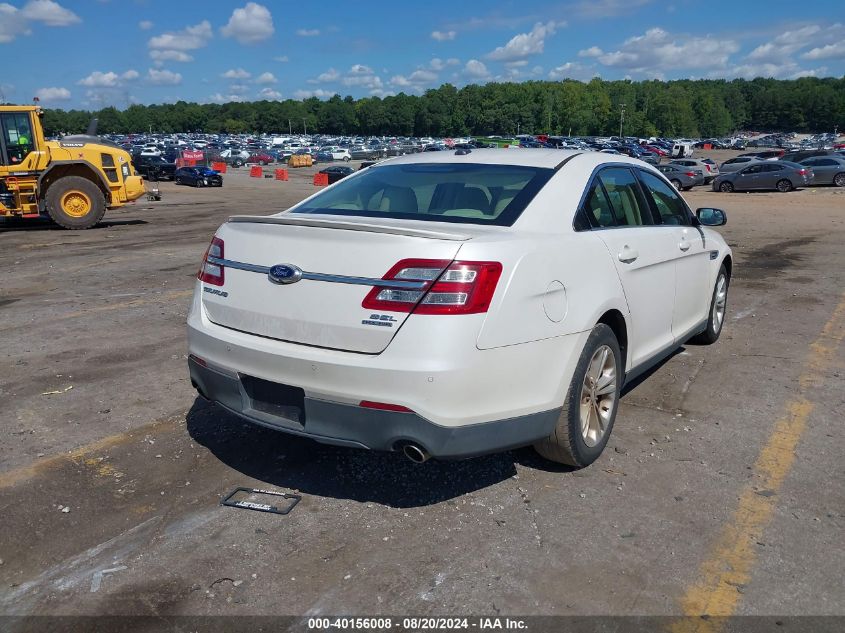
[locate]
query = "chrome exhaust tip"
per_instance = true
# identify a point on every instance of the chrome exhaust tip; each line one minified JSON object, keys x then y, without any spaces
{"x":415,"y":453}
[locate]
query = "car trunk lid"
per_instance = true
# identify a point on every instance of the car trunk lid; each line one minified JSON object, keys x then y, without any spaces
{"x":340,"y":259}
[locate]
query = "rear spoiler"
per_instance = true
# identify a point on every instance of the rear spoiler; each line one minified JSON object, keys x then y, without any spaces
{"x":350,"y":226}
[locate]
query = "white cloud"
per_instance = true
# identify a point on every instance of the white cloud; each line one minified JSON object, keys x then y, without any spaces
{"x":526,"y":44}
{"x":53,"y":94}
{"x":657,"y":51}
{"x":475,"y":69}
{"x":253,"y":23}
{"x":307,"y":32}
{"x":829,"y":51}
{"x":266,"y":78}
{"x":221,"y":98}
{"x":782,"y":47}
{"x":145,"y":25}
{"x":443,"y":36}
{"x":163,"y":77}
{"x":784,"y":70}
{"x":593,"y":51}
{"x":438,"y":64}
{"x":159,"y":57}
{"x":364,"y":77}
{"x":15,"y":22}
{"x":12,"y":23}
{"x":417,"y":80}
{"x":517,"y":64}
{"x":281,"y":58}
{"x":571,"y":70}
{"x":49,"y":12}
{"x":238,"y":89}
{"x":270,"y":94}
{"x":329,"y":76}
{"x":236,"y":73}
{"x":188,"y":39}
{"x":319,"y":93}
{"x":98,"y":79}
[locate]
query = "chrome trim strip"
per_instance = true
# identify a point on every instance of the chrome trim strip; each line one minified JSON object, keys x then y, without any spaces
{"x":337,"y":279}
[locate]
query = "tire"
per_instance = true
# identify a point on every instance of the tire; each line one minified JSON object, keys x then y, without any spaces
{"x":676,"y":183}
{"x":567,"y":444}
{"x":177,"y":180}
{"x":199,"y":183}
{"x":839,"y":180}
{"x":688,"y":188}
{"x":784,"y":186}
{"x":262,"y":163}
{"x":75,"y":203}
{"x":346,"y":159}
{"x":726,"y":187}
{"x":718,"y":310}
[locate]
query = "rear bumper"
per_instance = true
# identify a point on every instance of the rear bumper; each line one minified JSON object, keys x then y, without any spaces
{"x":353,"y":426}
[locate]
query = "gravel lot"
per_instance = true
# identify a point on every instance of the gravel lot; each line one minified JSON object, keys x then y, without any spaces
{"x":111,"y":462}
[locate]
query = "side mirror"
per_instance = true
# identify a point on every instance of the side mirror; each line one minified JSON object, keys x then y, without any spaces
{"x":711,"y":217}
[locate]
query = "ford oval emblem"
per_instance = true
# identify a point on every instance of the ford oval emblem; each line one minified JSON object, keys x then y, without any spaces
{"x":284,"y":274}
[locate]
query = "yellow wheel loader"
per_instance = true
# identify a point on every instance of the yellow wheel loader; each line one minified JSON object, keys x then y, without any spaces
{"x":73,"y":181}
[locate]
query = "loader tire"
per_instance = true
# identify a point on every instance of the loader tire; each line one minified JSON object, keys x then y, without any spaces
{"x":75,"y":203}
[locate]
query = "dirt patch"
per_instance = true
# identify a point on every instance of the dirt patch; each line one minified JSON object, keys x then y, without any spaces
{"x":772,"y":259}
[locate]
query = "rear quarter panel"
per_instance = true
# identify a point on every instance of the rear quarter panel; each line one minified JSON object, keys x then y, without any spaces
{"x":552,"y":285}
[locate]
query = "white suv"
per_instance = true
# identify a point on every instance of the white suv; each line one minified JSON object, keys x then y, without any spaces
{"x":450,"y":304}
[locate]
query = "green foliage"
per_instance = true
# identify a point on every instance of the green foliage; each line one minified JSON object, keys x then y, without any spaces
{"x":674,"y":108}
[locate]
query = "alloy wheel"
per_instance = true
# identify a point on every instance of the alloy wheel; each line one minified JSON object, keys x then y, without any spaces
{"x":598,"y":395}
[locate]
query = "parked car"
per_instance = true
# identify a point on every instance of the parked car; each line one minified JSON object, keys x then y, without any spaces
{"x":827,"y":170}
{"x":364,"y":153}
{"x":682,"y":177}
{"x":470,"y":310}
{"x":198,"y":177}
{"x":774,"y":154}
{"x":154,"y":167}
{"x":327,"y":154}
{"x":262,"y":158}
{"x":797,"y":157}
{"x":765,"y":175}
{"x":337,"y":172}
{"x":710,"y":170}
{"x":735,"y":164}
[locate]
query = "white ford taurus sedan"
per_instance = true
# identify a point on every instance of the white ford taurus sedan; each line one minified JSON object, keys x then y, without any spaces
{"x":451,"y":304}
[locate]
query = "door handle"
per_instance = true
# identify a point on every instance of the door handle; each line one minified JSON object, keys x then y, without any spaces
{"x":684,"y":246}
{"x":627,"y":255}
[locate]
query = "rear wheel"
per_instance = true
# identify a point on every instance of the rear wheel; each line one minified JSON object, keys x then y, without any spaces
{"x":726,"y":187}
{"x":784,"y":185}
{"x":585,"y":423}
{"x":718,"y":309}
{"x":676,"y":183}
{"x":74,"y":202}
{"x":839,"y":180}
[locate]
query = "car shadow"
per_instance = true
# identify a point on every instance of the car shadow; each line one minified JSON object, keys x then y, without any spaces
{"x":636,"y":382}
{"x":289,"y":461}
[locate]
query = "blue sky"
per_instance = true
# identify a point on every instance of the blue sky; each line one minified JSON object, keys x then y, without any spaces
{"x":93,"y":53}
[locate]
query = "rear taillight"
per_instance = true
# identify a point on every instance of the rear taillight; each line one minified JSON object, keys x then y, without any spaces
{"x":442,"y":287}
{"x":212,"y":270}
{"x":690,"y":174}
{"x":708,"y":167}
{"x":802,"y":172}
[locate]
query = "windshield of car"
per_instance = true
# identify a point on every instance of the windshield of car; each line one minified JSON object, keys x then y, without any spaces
{"x":436,"y":192}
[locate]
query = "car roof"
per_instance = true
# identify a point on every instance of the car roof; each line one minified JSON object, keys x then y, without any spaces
{"x":543,"y":158}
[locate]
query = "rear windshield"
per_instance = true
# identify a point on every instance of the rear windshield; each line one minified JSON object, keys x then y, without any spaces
{"x":438,"y":192}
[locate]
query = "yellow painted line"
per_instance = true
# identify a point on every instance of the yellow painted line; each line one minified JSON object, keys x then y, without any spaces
{"x":734,"y":554}
{"x":10,"y":478}
{"x":133,"y":303}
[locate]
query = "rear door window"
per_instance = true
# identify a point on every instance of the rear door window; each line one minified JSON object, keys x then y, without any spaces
{"x":669,"y":206}
{"x":625,"y":196}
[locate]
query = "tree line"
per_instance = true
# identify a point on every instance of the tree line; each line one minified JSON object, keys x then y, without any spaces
{"x":696,"y":108}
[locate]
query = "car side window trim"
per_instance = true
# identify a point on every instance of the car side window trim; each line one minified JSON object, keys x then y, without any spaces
{"x":652,"y":205}
{"x":582,"y":222}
